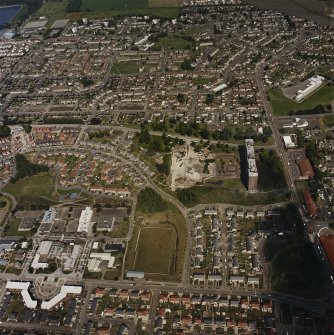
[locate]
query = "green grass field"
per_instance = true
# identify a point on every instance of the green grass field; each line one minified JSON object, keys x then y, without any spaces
{"x":165,"y":3}
{"x":53,"y":10}
{"x":283,"y":106}
{"x":169,"y":13}
{"x":205,"y":195}
{"x":41,"y":184}
{"x":20,"y":15}
{"x":329,"y":120}
{"x":173,"y":42}
{"x":297,"y":270}
{"x":13,"y":227}
{"x":102,"y":5}
{"x":159,"y":238}
{"x":155,"y":250}
{"x":125,"y":68}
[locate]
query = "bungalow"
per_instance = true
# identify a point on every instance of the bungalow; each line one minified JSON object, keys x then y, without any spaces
{"x":254,"y":281}
{"x":120,"y":313}
{"x":123,"y":294}
{"x":266,"y":306}
{"x":99,"y":292}
{"x":245,"y":303}
{"x":237,"y":279}
{"x":234,"y":303}
{"x":143,"y":314}
{"x":242,"y":324}
{"x":230,"y":323}
{"x":186,"y":321}
{"x":174,"y":299}
{"x":185,"y":300}
{"x":211,"y":212}
{"x":103,"y":331}
{"x":256,"y":305}
{"x":229,"y":212}
{"x":195,"y":299}
{"x":208,"y":321}
{"x":108,"y":311}
{"x":223,"y":301}
{"x":130,"y":313}
{"x":145,"y":296}
{"x":197,"y":321}
{"x":220,"y":321}
{"x":199,"y":277}
{"x":163,"y":298}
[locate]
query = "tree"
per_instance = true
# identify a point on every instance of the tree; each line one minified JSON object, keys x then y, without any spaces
{"x":4,"y":131}
{"x":209,"y":98}
{"x":204,"y":133}
{"x":26,"y":169}
{"x":144,"y":136}
{"x":181,"y":98}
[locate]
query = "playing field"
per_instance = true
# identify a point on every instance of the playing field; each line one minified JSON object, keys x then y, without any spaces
{"x":100,"y":5}
{"x":155,"y":250}
{"x":283,"y":106}
{"x":41,"y":184}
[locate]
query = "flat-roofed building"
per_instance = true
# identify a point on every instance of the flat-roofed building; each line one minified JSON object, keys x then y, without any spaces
{"x":42,"y":253}
{"x":135,"y":274}
{"x":22,"y":287}
{"x":252,"y":173}
{"x":85,"y":220}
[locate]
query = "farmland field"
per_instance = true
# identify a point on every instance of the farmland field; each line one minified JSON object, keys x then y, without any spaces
{"x":165,"y":3}
{"x":170,"y":13}
{"x":101,"y":5}
{"x":54,"y":10}
{"x":155,"y":250}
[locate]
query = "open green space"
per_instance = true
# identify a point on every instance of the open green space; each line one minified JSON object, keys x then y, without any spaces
{"x":329,"y":120}
{"x":92,"y":275}
{"x":105,"y":5}
{"x":53,"y":9}
{"x":205,"y":195}
{"x":41,"y":184}
{"x":297,"y":270}
{"x":271,"y":174}
{"x":283,"y":106}
{"x":11,"y":229}
{"x":15,"y":271}
{"x":125,"y":68}
{"x":121,"y":230}
{"x":21,"y":15}
{"x":159,"y":238}
{"x":150,"y":202}
{"x":169,"y":13}
{"x":173,"y":42}
{"x":112,"y":274}
{"x":155,"y":250}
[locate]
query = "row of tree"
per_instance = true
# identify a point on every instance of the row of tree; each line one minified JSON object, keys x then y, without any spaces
{"x":24,"y":168}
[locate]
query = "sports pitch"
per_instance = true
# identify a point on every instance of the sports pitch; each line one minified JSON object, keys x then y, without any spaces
{"x":155,"y":250}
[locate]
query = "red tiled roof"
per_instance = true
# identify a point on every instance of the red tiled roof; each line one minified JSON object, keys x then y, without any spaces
{"x":328,"y":244}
